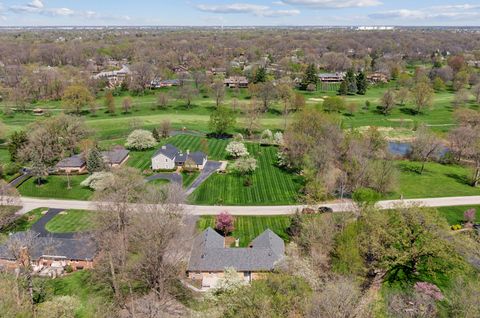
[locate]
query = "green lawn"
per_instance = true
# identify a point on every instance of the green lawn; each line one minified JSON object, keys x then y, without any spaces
{"x":436,"y":181}
{"x":189,"y":177}
{"x":92,"y":296}
{"x":271,"y":185}
{"x":56,"y":187}
{"x":72,"y":221}
{"x":249,"y":227}
{"x":454,"y":215}
{"x":25,"y":222}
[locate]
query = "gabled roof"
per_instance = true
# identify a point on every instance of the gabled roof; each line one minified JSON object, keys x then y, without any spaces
{"x":76,"y":161}
{"x":168,"y":151}
{"x":210,"y":255}
{"x":116,"y":155}
{"x":173,"y":153}
{"x":82,"y":248}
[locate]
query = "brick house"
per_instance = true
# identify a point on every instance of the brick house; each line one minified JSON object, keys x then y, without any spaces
{"x":78,"y":164}
{"x":210,"y":257}
{"x":47,"y":252}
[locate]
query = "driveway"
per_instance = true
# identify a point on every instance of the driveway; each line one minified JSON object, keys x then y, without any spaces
{"x":172,"y":177}
{"x":20,"y":179}
{"x":40,"y":225}
{"x":210,"y":168}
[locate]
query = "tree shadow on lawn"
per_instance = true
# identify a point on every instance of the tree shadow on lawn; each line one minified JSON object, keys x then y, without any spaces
{"x":410,"y":111}
{"x":186,"y":107}
{"x":462,"y":179}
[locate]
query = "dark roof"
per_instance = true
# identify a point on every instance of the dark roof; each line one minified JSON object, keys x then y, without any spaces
{"x":76,"y":161}
{"x":173,"y":153}
{"x":168,"y":150}
{"x":210,"y":255}
{"x":116,"y":155}
{"x":81,"y":248}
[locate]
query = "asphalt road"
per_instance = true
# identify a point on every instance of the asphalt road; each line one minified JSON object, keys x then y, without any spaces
{"x":345,"y":206}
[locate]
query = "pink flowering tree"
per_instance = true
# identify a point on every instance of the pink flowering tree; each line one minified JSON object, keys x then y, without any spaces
{"x":469,"y":216}
{"x":224,"y":223}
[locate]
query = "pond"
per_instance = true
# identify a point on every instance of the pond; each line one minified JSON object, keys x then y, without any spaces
{"x":403,"y":149}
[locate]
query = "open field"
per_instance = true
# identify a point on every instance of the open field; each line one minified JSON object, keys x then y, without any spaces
{"x":71,"y":221}
{"x":249,"y":227}
{"x":56,"y":187}
{"x":270,"y":184}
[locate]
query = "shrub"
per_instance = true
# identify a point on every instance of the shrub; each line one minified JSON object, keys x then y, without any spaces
{"x":456,"y":227}
{"x":236,"y":149}
{"x":470,"y":215}
{"x":278,"y":138}
{"x":366,"y":196}
{"x":238,"y":137}
{"x":140,"y":140}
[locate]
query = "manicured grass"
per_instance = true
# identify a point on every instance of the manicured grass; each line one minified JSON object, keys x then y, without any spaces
{"x":454,"y":215}
{"x":92,"y":295}
{"x":271,"y":185}
{"x":4,"y":155}
{"x":436,"y":181}
{"x":72,"y":221}
{"x":56,"y":187}
{"x":25,"y":222}
{"x":189,"y":177}
{"x":248,"y":228}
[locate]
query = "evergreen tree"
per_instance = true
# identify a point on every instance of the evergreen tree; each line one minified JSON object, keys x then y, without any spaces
{"x":260,"y":75}
{"x":362,"y":83}
{"x":17,"y":140}
{"x":310,"y":77}
{"x":295,"y":227}
{"x":351,"y":82}
{"x":343,"y":90}
{"x":95,"y":162}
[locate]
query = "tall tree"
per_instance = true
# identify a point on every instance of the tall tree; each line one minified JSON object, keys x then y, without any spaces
{"x":362,"y":84}
{"x":426,"y":146}
{"x":222,"y":120}
{"x":310,"y":77}
{"x":260,"y":75}
{"x":95,"y":161}
{"x":76,"y":98}
{"x":422,"y":95}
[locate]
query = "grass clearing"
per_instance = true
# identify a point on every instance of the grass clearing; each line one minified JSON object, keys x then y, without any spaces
{"x":72,"y":221}
{"x":437,"y":180}
{"x":56,"y":187}
{"x":248,"y":228}
{"x":454,"y":215}
{"x":189,"y":177}
{"x":92,"y":295}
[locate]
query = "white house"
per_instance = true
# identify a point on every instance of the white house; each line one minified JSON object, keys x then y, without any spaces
{"x":168,"y":157}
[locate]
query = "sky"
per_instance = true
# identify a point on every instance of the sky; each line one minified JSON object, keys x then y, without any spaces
{"x":239,"y":13}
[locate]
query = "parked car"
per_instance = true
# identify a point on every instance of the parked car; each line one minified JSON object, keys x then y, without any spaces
{"x":325,"y":209}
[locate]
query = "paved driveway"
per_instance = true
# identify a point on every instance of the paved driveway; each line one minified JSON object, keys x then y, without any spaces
{"x":39,"y":226}
{"x":210,"y":168}
{"x":172,"y":177}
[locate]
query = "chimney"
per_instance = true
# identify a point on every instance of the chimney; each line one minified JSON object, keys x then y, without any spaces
{"x":188,"y":151}
{"x":164,"y":147}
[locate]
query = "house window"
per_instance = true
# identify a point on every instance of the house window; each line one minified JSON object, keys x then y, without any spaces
{"x":166,"y":160}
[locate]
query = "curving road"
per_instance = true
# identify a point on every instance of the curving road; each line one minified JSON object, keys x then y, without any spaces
{"x":345,"y":206}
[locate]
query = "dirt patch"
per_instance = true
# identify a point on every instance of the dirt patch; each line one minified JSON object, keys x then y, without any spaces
{"x":316,"y":100}
{"x":230,"y":241}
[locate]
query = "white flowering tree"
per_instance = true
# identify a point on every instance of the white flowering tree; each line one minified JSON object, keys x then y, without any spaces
{"x":237,"y":149}
{"x":266,"y":137}
{"x":245,"y":165}
{"x":278,"y":138}
{"x":230,"y":282}
{"x":98,"y":181}
{"x":140,"y":140}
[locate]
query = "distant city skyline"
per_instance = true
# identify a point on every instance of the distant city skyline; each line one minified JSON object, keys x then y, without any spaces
{"x":239,"y":13}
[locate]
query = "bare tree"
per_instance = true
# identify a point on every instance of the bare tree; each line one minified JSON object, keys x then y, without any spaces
{"x":426,"y":146}
{"x":388,"y":101}
{"x":218,"y":88}
{"x":165,"y":128}
{"x":187,"y":93}
{"x":252,"y":117}
{"x":422,"y":95}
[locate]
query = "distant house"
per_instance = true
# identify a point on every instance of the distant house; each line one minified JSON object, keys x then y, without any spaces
{"x":168,"y":157}
{"x":78,"y":163}
{"x":377,"y":78}
{"x":73,"y":164}
{"x":180,"y":69}
{"x":475,"y":64}
{"x":114,"y":78}
{"x":331,"y":77}
{"x":48,"y":252}
{"x":222,"y":71}
{"x":236,"y":82}
{"x":210,"y":257}
{"x":116,"y":157}
{"x":158,"y":83}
